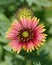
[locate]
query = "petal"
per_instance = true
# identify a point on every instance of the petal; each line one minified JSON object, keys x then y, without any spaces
{"x":23,"y":22}
{"x":13,"y":30}
{"x":39,"y":29}
{"x":11,"y":36}
{"x":35,"y":21}
{"x":24,"y":46}
{"x":26,"y":23}
{"x":41,"y":37}
{"x":16,"y":25}
{"x":36,"y":44}
{"x":16,"y":46}
{"x":29,"y":23}
{"x":30,"y":46}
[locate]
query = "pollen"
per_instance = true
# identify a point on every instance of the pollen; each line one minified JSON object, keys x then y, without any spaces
{"x":25,"y":34}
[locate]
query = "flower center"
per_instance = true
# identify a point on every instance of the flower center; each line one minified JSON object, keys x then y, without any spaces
{"x":25,"y":34}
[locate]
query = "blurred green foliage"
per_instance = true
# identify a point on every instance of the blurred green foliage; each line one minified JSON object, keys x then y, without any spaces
{"x":43,"y":10}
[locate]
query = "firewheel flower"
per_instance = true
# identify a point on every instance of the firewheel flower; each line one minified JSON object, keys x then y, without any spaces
{"x":26,"y":34}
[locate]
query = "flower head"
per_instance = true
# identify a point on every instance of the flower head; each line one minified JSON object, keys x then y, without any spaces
{"x":26,"y":34}
{"x":24,"y":13}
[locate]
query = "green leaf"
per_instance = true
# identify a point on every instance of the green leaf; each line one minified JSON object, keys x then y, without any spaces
{"x":30,"y":2}
{"x":7,"y":61}
{"x":20,"y":57}
{"x":3,"y":18}
{"x":49,"y":20}
{"x":50,"y":30}
{"x":12,"y":8}
{"x":40,"y":2}
{"x":28,"y":62}
{"x":43,"y":52}
{"x":48,"y":13}
{"x":5,"y":2}
{"x":49,"y":43}
{"x":7,"y":48}
{"x":36,"y":62}
{"x":4,"y":24}
{"x":1,"y":52}
{"x":3,"y":63}
{"x":50,"y":55}
{"x":3,"y":40}
{"x":2,"y":10}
